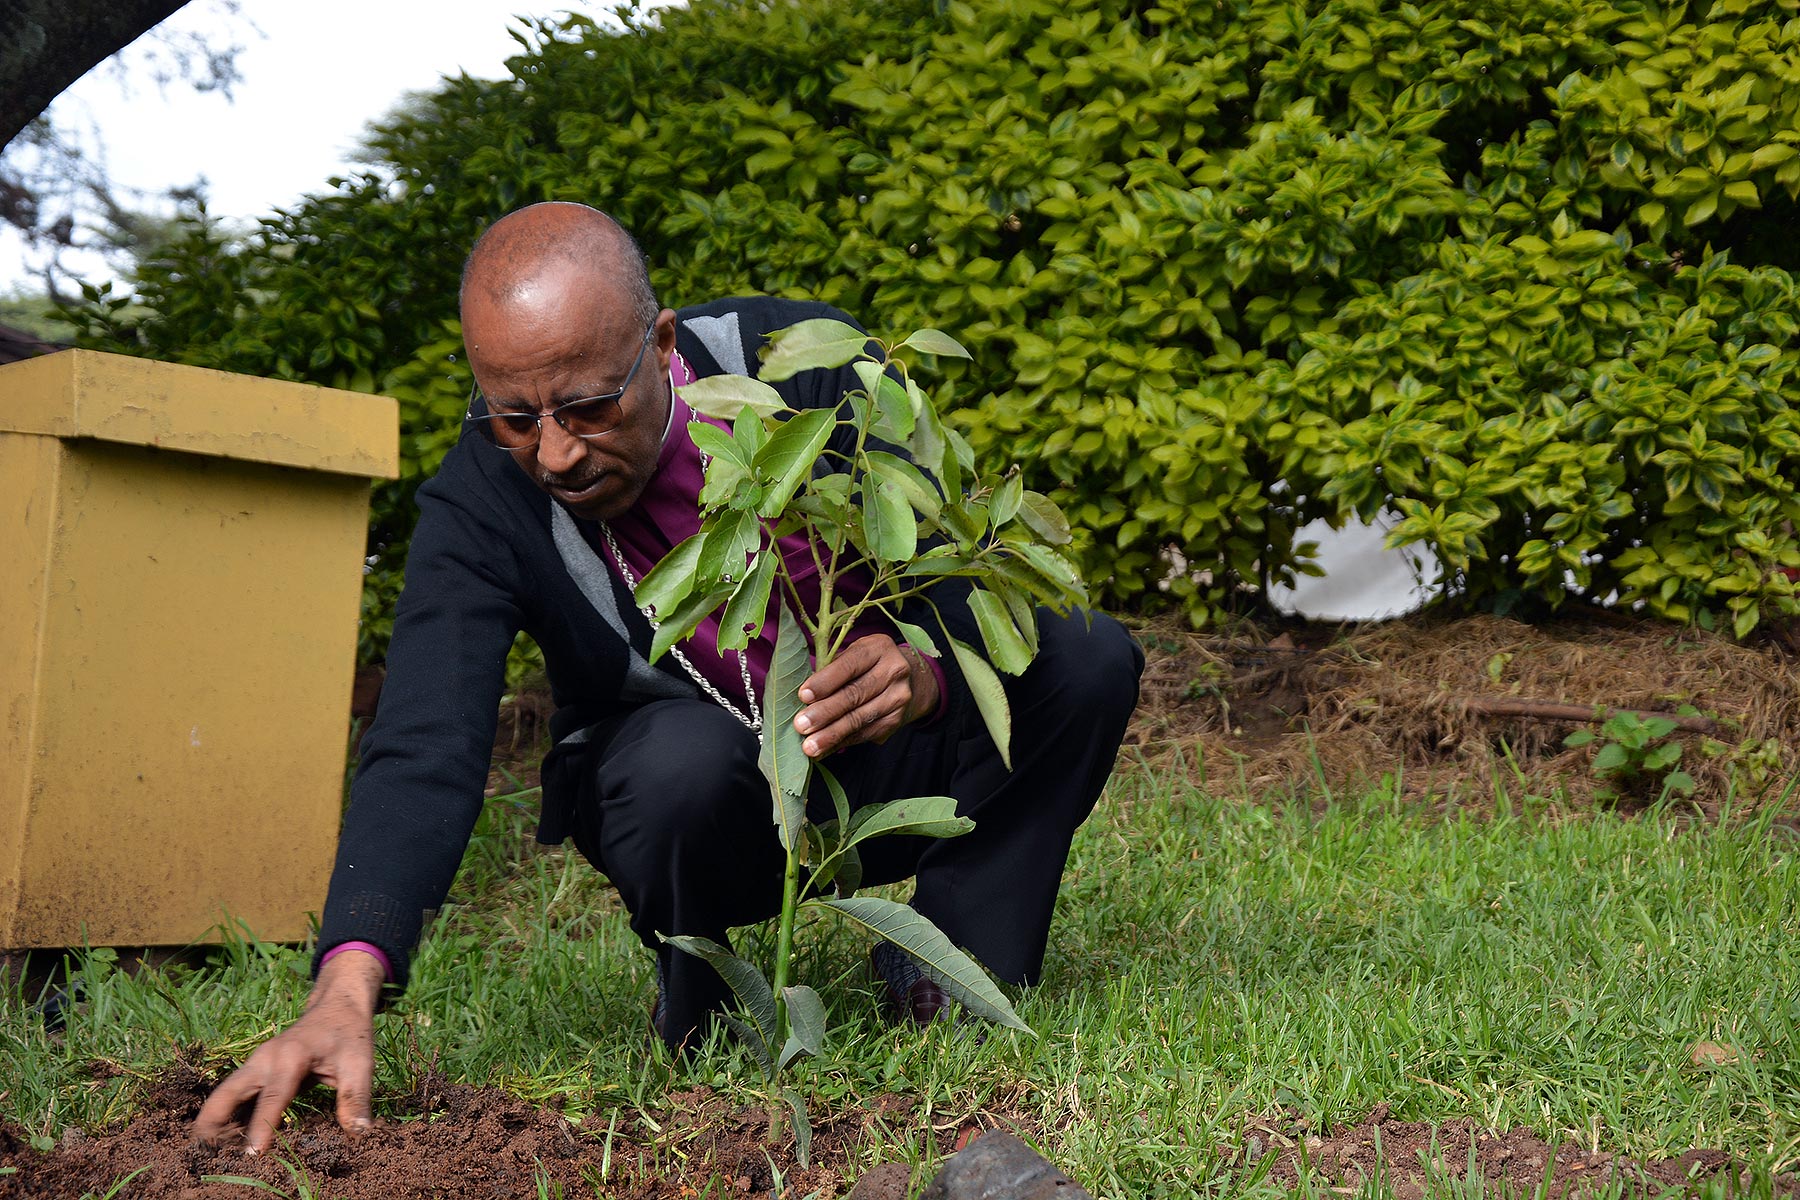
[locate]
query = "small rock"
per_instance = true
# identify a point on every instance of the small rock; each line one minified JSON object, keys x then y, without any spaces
{"x":1712,"y":1054}
{"x":1001,"y":1167}
{"x":885,"y":1182}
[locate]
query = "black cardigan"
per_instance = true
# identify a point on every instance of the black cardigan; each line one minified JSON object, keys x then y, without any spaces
{"x":482,"y":566}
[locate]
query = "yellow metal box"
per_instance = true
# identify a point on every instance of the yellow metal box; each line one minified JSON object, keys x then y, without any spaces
{"x":180,"y":569}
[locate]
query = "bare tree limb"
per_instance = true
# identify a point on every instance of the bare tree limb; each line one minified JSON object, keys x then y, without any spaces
{"x":1551,"y":710}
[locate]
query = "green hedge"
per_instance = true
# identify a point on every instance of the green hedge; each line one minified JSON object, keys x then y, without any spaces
{"x":1522,"y":270}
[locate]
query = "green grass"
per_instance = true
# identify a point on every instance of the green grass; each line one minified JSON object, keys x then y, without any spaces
{"x":1214,"y":962}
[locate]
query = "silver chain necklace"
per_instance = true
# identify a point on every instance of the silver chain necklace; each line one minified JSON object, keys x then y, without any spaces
{"x":753,"y":720}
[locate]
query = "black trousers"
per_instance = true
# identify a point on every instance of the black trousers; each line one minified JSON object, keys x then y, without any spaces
{"x":671,"y":806}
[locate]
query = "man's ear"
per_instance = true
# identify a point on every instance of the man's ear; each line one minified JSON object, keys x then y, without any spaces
{"x":665,"y":338}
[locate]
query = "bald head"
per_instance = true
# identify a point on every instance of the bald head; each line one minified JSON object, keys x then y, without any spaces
{"x":541,"y":253}
{"x":557,"y":309}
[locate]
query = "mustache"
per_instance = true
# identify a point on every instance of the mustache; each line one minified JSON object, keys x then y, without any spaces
{"x":571,"y":483}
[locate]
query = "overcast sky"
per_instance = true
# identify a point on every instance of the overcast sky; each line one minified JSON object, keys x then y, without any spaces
{"x":324,"y":69}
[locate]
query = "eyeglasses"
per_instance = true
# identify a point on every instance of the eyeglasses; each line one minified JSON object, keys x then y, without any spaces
{"x":588,"y":417}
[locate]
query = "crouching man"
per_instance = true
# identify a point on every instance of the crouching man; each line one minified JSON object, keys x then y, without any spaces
{"x":574,"y":475}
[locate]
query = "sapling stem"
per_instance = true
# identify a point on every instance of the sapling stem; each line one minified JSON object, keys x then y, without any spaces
{"x":790,"y":883}
{"x":784,"y":940}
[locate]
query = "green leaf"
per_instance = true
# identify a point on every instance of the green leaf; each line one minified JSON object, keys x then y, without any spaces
{"x":746,"y":982}
{"x":1016,"y":575}
{"x":990,"y":697}
{"x":1023,"y":611}
{"x":1701,"y":209}
{"x":966,"y":521}
{"x":725,"y":396}
{"x":808,"y":345}
{"x":802,"y":1127}
{"x":934,"y":448}
{"x":1008,"y":498}
{"x":728,"y":465}
{"x":759,"y":1050}
{"x":827,"y":502}
{"x":894,"y":419}
{"x":118,"y":1187}
{"x":921,"y":816}
{"x":1056,"y":571}
{"x":888,"y":523}
{"x":1771,"y":155}
{"x":1043,"y":518}
{"x":748,"y":607}
{"x":916,"y":637}
{"x":784,"y":763}
{"x":1611,"y":758}
{"x":1580,"y":737}
{"x":671,"y":580}
{"x":942,"y":560}
{"x":790,"y":456}
{"x":1006,"y":646}
{"x":1745,"y":621}
{"x":806,"y":1021}
{"x":840,"y":800}
{"x":717,"y":444}
{"x":948,"y":967}
{"x":920,"y":492}
{"x":935,"y":341}
{"x":751,"y":435}
{"x":730,"y":539}
{"x":1679,"y":781}
{"x":681,"y":623}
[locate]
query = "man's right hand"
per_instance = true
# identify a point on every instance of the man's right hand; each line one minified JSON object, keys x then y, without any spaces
{"x":333,"y":1042}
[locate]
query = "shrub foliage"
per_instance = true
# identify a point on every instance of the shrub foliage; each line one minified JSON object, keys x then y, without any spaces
{"x":1522,"y":270}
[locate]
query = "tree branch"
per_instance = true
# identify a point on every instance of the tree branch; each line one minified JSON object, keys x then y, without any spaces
{"x":1579,"y":714}
{"x":46,"y":45}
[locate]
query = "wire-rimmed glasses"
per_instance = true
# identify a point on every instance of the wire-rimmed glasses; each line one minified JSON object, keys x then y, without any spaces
{"x":588,"y":417}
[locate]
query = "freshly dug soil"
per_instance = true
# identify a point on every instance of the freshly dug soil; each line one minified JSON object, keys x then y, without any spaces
{"x":481,"y":1144}
{"x":1415,"y":1157}
{"x":460,"y":1143}
{"x":1262,"y":709}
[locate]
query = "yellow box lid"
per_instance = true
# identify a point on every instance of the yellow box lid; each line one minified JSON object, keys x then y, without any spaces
{"x":116,"y":398}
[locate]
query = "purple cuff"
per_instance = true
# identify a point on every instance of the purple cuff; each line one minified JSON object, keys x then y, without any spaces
{"x":387,"y":968}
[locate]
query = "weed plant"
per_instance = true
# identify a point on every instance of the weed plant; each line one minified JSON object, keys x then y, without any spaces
{"x":1215,"y":962}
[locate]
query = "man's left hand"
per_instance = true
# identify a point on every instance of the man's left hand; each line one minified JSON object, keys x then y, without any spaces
{"x":865,"y":695}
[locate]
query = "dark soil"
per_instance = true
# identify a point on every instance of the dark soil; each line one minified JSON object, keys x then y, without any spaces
{"x":1260,"y":709}
{"x":1416,"y":1157}
{"x":454,"y":1142}
{"x":465,"y":1143}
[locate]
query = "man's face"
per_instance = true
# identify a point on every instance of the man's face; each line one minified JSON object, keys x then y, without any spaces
{"x":544,"y":349}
